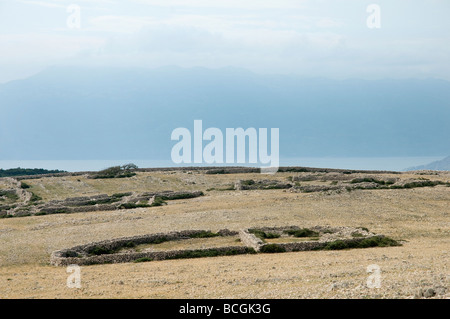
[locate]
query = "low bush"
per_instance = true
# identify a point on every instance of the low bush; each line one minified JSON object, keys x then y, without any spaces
{"x":116,"y":172}
{"x":99,"y":250}
{"x":52,"y":211}
{"x":129,"y":244}
{"x":159,"y":201}
{"x":35,"y":198}
{"x":24,"y":185}
{"x":216,"y":171}
{"x":272,"y":248}
{"x":198,"y":253}
{"x":248,"y":182}
{"x":179,"y":196}
{"x":263,"y":235}
{"x":304,"y":232}
{"x":40,"y":214}
{"x":70,"y":253}
{"x":369,"y":180}
{"x":135,"y":205}
{"x":204,"y":234}
{"x":365,"y":243}
{"x":158,"y":240}
{"x":10,"y":195}
{"x":143,"y":259}
{"x":357,"y":235}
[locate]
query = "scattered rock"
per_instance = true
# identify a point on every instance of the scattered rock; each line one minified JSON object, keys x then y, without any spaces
{"x":440,"y":290}
{"x":429,"y":293}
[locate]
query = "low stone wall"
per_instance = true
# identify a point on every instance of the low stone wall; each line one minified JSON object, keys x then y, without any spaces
{"x":102,"y":202}
{"x":160,"y":255}
{"x":85,"y":254}
{"x":263,"y":184}
{"x":275,"y":229}
{"x":83,"y":257}
{"x":250,"y":240}
{"x":317,"y":245}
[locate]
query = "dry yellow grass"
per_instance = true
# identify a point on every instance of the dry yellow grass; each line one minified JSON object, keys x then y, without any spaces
{"x":420,"y":217}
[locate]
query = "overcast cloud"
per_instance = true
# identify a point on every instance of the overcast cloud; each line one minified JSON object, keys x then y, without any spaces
{"x":326,"y":38}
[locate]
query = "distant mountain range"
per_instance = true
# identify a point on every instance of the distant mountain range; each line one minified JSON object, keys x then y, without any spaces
{"x":442,"y":165}
{"x":122,"y":113}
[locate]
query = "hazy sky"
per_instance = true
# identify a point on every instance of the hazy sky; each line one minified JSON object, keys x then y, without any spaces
{"x":309,"y":37}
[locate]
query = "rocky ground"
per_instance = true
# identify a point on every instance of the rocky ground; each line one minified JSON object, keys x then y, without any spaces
{"x":418,"y":217}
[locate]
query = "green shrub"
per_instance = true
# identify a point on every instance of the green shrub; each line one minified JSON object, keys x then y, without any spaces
{"x":272,"y":248}
{"x":56,"y":211}
{"x":24,"y":185}
{"x":422,"y":184}
{"x":116,"y":172}
{"x":198,"y":253}
{"x":134,"y":205}
{"x":158,"y":240}
{"x":367,"y":180}
{"x":258,"y":233}
{"x":228,"y":188}
{"x":365,"y":243}
{"x":179,"y":196}
{"x":129,"y":244}
{"x":304,"y":232}
{"x":295,"y":170}
{"x":357,"y":235}
{"x":216,"y":171}
{"x":120,"y":195}
{"x":263,"y":235}
{"x":159,"y":201}
{"x":40,"y":214}
{"x":10,"y":195}
{"x":204,"y":234}
{"x":271,"y":235}
{"x":248,"y":182}
{"x":336,"y":245}
{"x":35,"y":198}
{"x":99,"y":250}
{"x":143,"y":259}
{"x":70,"y":253}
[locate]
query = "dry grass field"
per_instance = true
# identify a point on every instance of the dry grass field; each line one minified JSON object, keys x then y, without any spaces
{"x":418,"y":217}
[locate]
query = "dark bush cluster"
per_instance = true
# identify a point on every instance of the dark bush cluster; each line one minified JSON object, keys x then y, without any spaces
{"x":272,"y":248}
{"x":263,"y":235}
{"x":304,"y":232}
{"x":371,"y":180}
{"x":365,"y":243}
{"x":204,"y":234}
{"x":27,"y":171}
{"x":116,"y":172}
